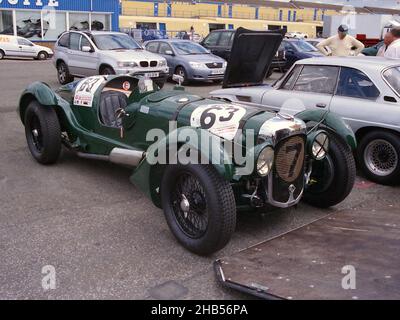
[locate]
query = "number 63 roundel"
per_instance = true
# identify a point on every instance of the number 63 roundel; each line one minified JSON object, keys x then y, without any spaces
{"x":220,"y":119}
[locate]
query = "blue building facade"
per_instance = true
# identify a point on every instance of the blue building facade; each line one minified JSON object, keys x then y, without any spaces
{"x":45,"y":20}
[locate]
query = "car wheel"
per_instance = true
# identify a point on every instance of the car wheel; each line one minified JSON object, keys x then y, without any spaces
{"x":333,"y":178}
{"x":42,"y":56}
{"x":180,"y":71}
{"x":378,"y":155}
{"x":43,"y":133}
{"x":63,"y":74}
{"x":199,"y":206}
{"x":107,"y":71}
{"x":2,"y":54}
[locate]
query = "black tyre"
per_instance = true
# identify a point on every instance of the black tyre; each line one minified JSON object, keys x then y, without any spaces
{"x":199,"y":206}
{"x":42,"y":55}
{"x":43,"y":133}
{"x":64,"y":77}
{"x":107,"y":71}
{"x":332,"y":179}
{"x":378,"y":155}
{"x":2,"y":54}
{"x":180,"y":71}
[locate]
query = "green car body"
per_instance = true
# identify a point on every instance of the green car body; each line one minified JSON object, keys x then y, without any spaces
{"x":129,"y":121}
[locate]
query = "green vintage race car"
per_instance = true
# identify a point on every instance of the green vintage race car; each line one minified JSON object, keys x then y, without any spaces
{"x":200,"y":160}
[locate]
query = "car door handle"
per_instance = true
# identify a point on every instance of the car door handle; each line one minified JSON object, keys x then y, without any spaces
{"x":321,"y":105}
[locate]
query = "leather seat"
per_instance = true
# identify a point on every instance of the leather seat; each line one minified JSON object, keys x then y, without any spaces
{"x":110,"y":102}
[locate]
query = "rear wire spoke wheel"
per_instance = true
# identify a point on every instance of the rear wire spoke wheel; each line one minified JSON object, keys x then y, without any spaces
{"x":199,"y":206}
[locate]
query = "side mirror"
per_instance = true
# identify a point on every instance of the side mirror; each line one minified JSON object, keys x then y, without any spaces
{"x":178,"y":79}
{"x":87,"y":49}
{"x":169,"y":53}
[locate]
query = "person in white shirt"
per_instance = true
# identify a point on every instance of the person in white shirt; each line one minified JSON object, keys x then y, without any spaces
{"x":392,"y":39}
{"x":341,"y":44}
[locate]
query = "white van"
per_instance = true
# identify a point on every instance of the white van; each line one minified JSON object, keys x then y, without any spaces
{"x":21,"y":47}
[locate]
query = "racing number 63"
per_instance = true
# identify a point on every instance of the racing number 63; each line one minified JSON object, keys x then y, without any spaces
{"x":208,"y":118}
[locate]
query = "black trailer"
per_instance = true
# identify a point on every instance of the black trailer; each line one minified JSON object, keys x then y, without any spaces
{"x":323,"y":260}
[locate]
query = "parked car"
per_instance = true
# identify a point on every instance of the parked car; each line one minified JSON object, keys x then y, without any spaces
{"x":122,"y":119}
{"x":12,"y":46}
{"x":365,"y":91}
{"x":184,"y":35}
{"x":189,"y":60}
{"x":82,"y":54}
{"x":152,"y":34}
{"x":296,"y":35}
{"x":315,"y":42}
{"x":219,"y":42}
{"x":373,"y":51}
{"x":296,"y":50}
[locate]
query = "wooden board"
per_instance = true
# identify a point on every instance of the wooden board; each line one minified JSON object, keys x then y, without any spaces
{"x":307,"y":263}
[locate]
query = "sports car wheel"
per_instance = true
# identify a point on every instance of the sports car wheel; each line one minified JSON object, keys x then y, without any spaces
{"x":333,"y":178}
{"x":379,"y":157}
{"x":1,"y":54}
{"x":42,"y":55}
{"x":107,"y":71}
{"x":63,"y":74}
{"x":199,"y":207}
{"x":180,"y":71}
{"x":43,"y":133}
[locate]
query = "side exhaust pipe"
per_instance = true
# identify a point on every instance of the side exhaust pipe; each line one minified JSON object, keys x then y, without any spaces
{"x":125,"y":157}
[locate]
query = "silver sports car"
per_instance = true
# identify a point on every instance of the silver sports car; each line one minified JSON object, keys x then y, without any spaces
{"x":365,"y":91}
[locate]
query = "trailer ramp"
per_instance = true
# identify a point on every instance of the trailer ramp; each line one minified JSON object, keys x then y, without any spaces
{"x":312,"y":261}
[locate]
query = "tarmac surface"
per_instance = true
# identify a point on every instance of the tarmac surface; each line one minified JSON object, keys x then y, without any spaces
{"x":103,"y":237}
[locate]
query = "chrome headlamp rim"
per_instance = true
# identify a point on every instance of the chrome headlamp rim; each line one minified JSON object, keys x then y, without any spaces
{"x":265,"y":161}
{"x":320,"y":145}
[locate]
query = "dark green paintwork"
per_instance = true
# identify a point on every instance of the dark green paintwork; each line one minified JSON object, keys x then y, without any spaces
{"x":87,"y":134}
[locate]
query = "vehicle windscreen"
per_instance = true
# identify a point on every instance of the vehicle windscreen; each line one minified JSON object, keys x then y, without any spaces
{"x":115,"y":42}
{"x":187,"y":48}
{"x":392,"y":76}
{"x":304,"y":46}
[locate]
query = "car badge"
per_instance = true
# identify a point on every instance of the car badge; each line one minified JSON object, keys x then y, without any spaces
{"x":292,"y":189}
{"x":285,"y":116}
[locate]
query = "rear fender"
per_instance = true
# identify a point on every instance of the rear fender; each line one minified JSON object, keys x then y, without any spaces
{"x":82,"y":139}
{"x":148,"y":175}
{"x":331,"y":121}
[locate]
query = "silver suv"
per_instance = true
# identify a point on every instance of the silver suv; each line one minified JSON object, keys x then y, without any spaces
{"x":83,"y":54}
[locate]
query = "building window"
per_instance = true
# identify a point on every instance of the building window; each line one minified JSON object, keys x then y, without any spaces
{"x":55,"y":24}
{"x":29,"y":25}
{"x":79,"y":21}
{"x":101,"y":22}
{"x":6,"y":22}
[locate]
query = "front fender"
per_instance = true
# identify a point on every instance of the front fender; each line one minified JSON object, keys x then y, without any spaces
{"x":148,"y":175}
{"x":39,"y":91}
{"x":333,"y":122}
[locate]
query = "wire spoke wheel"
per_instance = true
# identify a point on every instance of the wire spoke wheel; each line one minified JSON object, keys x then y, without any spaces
{"x":190,"y":206}
{"x":380,"y":157}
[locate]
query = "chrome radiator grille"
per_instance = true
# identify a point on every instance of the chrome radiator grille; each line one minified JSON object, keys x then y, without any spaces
{"x":289,"y":161}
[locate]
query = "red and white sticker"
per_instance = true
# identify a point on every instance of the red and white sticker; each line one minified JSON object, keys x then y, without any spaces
{"x":126,"y":85}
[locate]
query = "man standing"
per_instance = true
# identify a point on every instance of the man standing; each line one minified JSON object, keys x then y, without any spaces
{"x":392,"y":42}
{"x":341,"y":44}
